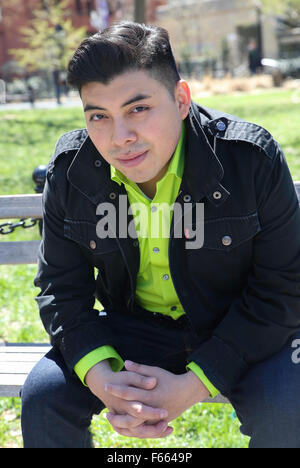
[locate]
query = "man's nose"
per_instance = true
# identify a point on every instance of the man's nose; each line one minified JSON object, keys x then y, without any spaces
{"x":122,"y":134}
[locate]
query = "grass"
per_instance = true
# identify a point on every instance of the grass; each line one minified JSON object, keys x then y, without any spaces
{"x":27,"y":140}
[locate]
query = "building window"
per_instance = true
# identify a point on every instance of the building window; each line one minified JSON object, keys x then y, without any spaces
{"x":78,"y":7}
{"x":89,"y":6}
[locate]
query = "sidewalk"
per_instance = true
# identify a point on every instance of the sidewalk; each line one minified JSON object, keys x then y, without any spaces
{"x":42,"y":104}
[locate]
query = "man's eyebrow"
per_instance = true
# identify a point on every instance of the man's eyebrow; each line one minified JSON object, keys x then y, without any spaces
{"x":138,"y":97}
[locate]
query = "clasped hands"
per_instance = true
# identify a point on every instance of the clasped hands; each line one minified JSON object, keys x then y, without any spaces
{"x":142,"y":400}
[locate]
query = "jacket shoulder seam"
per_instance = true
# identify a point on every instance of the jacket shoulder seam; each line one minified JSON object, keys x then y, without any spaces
{"x":70,"y":141}
{"x":241,"y":130}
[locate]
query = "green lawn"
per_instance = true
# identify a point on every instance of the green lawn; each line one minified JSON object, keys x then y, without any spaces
{"x":27,"y":139}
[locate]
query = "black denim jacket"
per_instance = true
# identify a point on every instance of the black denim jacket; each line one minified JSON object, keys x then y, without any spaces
{"x":240,"y":290}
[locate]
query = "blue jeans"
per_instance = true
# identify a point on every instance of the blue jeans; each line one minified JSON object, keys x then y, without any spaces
{"x":57,"y":409}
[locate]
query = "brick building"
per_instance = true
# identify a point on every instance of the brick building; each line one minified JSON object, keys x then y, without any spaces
{"x":15,"y":14}
{"x":205,"y":28}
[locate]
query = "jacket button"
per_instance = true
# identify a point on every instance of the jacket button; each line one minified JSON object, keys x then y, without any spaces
{"x":112,"y":195}
{"x":226,"y":240}
{"x":93,"y":244}
{"x":217,"y":195}
{"x":165,"y":277}
{"x":187,"y":198}
{"x":221,"y":126}
{"x":98,"y":163}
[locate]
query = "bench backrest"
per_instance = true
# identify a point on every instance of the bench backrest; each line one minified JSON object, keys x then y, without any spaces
{"x":30,"y":206}
{"x":19,"y":206}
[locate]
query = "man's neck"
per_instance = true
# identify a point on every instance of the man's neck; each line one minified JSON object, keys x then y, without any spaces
{"x":149,"y":187}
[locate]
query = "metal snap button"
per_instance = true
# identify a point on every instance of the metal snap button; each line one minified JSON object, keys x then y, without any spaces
{"x":226,"y":240}
{"x":217,"y":195}
{"x":153,"y":209}
{"x":187,"y":198}
{"x":112,"y":195}
{"x":156,"y":250}
{"x":93,"y":244}
{"x":165,"y":277}
{"x":221,"y":126}
{"x":98,"y":163}
{"x":173,"y":308}
{"x":135,"y":243}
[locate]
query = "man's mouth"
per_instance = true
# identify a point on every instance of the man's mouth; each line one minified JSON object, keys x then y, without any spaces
{"x":133,"y":160}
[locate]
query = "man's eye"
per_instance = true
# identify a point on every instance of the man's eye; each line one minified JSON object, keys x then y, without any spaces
{"x":97,"y":117}
{"x":139,"y":109}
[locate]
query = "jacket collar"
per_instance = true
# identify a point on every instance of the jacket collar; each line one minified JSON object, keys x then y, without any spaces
{"x":90,"y":173}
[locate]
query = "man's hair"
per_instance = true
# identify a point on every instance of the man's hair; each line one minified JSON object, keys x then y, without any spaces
{"x":120,"y":48}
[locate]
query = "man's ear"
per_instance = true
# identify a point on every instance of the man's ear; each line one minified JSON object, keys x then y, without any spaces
{"x":183,"y":98}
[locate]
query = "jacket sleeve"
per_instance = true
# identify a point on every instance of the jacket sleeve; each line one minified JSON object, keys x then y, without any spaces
{"x":267,"y":313}
{"x":67,"y":283}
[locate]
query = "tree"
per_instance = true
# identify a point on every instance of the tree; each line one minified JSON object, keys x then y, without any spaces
{"x":290,"y":9}
{"x":50,"y":39}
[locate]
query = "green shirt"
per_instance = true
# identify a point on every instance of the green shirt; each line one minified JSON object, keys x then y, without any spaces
{"x":154,"y":289}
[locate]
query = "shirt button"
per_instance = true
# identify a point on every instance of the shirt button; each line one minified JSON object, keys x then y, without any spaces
{"x":153,"y":209}
{"x":226,"y":240}
{"x":173,"y":308}
{"x":93,"y":244}
{"x":156,"y":250}
{"x":165,"y":277}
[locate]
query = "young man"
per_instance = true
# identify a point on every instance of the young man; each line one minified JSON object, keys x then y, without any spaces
{"x":213,"y":306}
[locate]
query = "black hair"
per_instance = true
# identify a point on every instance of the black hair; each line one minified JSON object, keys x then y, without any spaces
{"x":123,"y":47}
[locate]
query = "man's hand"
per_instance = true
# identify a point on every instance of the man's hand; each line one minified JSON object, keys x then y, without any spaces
{"x":175,"y":393}
{"x":134,"y":412}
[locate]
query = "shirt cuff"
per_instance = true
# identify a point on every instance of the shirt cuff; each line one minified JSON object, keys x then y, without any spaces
{"x":97,"y":355}
{"x":199,"y":372}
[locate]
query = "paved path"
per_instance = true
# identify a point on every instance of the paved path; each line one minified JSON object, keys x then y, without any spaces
{"x":42,"y":104}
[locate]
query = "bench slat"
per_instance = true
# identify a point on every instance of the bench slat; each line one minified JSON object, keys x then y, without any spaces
{"x":16,"y":361}
{"x":19,"y":357}
{"x":16,"y":367}
{"x":17,"y":253}
{"x":23,"y":348}
{"x":10,"y":385}
{"x":21,"y":206}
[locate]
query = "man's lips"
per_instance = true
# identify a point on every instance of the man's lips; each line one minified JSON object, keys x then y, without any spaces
{"x":133,"y":160}
{"x":131,"y":156}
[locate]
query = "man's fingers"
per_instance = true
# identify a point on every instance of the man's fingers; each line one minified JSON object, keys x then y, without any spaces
{"x":143,"y":412}
{"x":139,"y":368}
{"x":127,"y":393}
{"x":144,"y":431}
{"x":124,"y":421}
{"x":140,"y":381}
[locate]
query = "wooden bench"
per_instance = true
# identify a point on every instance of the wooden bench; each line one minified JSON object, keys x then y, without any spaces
{"x":17,"y":359}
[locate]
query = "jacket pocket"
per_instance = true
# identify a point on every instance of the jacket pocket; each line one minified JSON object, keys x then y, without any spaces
{"x":85,"y":234}
{"x":225,"y":234}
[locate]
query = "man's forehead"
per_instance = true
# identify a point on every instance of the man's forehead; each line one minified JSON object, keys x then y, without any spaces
{"x":122,"y":89}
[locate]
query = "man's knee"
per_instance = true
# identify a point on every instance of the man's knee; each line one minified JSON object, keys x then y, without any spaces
{"x":44,"y":386}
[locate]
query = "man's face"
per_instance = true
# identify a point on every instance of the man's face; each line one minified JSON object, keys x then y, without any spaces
{"x":134,"y":123}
